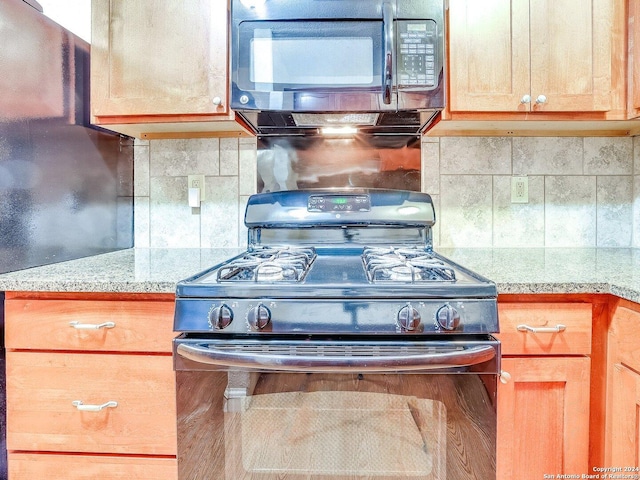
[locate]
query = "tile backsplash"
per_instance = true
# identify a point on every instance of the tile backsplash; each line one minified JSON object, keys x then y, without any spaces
{"x":163,"y":217}
{"x":583,"y":192}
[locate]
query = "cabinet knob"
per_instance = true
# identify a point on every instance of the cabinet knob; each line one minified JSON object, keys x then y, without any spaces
{"x":217,"y":101}
{"x":541,"y":99}
{"x":526,"y":99}
{"x":505,"y":377}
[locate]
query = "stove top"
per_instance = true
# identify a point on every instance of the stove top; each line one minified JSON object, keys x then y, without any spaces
{"x":337,"y":262}
{"x":367,"y":272}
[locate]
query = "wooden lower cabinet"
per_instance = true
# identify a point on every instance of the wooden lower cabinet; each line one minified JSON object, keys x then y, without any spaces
{"x":544,"y":403}
{"x":90,"y":386}
{"x":26,"y":466}
{"x":543,"y":417}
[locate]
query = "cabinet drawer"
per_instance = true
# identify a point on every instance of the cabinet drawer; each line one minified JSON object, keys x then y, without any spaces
{"x":138,"y":326}
{"x":25,"y":466}
{"x":544,"y":318}
{"x":42,"y":386}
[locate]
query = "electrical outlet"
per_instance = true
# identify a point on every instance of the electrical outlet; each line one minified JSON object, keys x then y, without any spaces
{"x":196,"y":181}
{"x":519,"y":189}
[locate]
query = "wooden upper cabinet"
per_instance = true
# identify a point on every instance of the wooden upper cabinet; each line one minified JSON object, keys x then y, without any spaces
{"x":33,"y":62}
{"x":530,"y":55}
{"x":158,"y":57}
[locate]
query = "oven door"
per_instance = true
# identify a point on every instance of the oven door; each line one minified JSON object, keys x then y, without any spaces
{"x":336,"y":410}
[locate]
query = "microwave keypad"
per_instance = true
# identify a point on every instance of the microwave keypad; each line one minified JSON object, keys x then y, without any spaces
{"x":417,"y":57}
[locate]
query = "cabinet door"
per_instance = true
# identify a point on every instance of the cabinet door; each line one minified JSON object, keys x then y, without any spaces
{"x":543,"y":417}
{"x":32,"y":59}
{"x":556,"y":52}
{"x":571,"y":54}
{"x":158,"y":57}
{"x":625,"y":418}
{"x":488,"y":55}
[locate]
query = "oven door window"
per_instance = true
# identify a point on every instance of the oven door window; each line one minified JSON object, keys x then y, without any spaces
{"x":281,"y":56}
{"x":330,"y":426}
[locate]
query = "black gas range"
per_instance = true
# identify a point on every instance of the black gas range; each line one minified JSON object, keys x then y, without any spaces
{"x":336,"y":264}
{"x":341,"y":331}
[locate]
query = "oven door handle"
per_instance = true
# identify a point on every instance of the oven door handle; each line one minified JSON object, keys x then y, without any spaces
{"x":220,"y":357}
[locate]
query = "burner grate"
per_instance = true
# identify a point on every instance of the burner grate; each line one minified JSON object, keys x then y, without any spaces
{"x":269,"y":264}
{"x":404,"y":264}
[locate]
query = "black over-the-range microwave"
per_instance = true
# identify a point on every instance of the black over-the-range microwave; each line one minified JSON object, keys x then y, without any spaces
{"x":352,"y":56}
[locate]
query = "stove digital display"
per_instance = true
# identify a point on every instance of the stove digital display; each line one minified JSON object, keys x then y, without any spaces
{"x":339,"y":203}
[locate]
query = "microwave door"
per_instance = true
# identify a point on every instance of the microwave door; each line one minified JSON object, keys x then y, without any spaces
{"x":310,"y":66}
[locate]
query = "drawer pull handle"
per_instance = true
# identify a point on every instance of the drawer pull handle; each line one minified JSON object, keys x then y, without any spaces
{"x":93,"y":408}
{"x":91,"y":326}
{"x":557,"y":329}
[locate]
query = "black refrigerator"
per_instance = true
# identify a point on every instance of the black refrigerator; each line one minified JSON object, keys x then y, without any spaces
{"x":66,"y":186}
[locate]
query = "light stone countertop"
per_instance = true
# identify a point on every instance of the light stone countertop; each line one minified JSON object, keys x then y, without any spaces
{"x":522,"y":270}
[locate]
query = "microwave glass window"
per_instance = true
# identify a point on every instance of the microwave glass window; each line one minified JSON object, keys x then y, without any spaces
{"x":311,"y":60}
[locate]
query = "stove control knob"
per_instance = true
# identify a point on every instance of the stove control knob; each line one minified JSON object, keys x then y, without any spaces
{"x":408,"y":318}
{"x":220,"y":317}
{"x":259,"y":317}
{"x":448,"y":317}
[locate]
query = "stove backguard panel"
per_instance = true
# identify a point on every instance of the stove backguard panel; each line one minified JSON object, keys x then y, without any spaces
{"x":292,"y":163}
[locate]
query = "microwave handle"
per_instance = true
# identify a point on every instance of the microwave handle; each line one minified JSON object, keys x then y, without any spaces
{"x":388,"y":47}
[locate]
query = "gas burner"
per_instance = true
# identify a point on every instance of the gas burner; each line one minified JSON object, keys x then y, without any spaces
{"x":404,"y":273}
{"x":269,"y":264}
{"x":404,"y":264}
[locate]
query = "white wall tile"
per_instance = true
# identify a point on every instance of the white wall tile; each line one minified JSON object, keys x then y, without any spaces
{"x":518,"y":224}
{"x":141,"y":234}
{"x":475,"y":155}
{"x":547,"y":156}
{"x":465,"y":210}
{"x":636,"y":155}
{"x":615,"y":211}
{"x":247,"y":166}
{"x":430,"y":153}
{"x":229,"y":154}
{"x":570,"y":211}
{"x":608,"y":156}
{"x":182,"y":157}
{"x":172,"y":222}
{"x":141,"y":170}
{"x":219,"y":222}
